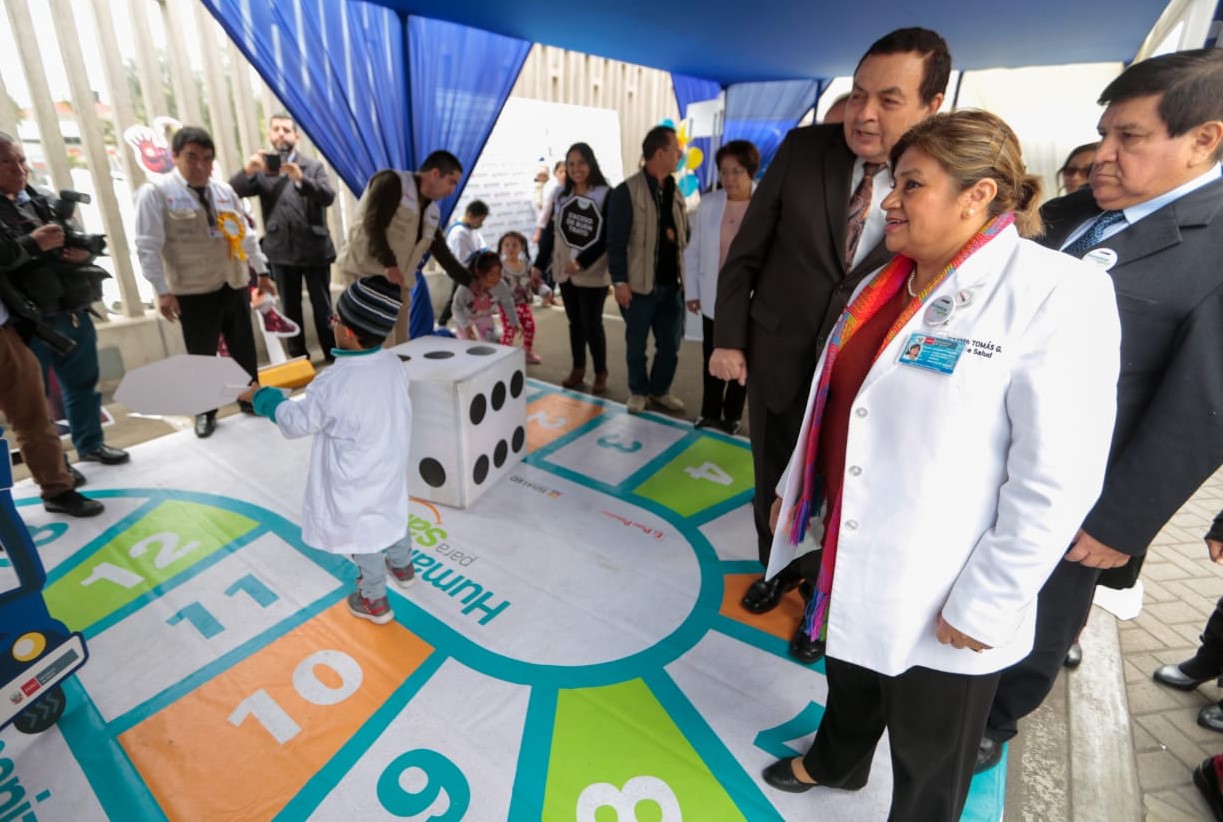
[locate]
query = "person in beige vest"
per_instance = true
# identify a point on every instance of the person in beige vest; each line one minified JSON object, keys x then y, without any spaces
{"x":646,"y":234}
{"x":195,"y":246}
{"x":397,"y":222}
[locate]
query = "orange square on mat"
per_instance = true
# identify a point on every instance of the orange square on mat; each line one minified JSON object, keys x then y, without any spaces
{"x":244,"y":743}
{"x":550,"y":418}
{"x":781,"y":622}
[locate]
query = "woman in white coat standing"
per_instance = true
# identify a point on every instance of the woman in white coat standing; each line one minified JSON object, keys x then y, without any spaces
{"x":715,"y":225}
{"x":955,"y":437}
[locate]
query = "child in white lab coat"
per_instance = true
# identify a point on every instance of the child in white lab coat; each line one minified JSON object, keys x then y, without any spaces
{"x":360,"y":415}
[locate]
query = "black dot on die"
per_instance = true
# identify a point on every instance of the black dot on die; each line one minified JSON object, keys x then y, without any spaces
{"x":480,"y":473}
{"x":403,"y":357}
{"x":479,"y":407}
{"x":500,"y":453}
{"x":432,"y":472}
{"x":498,"y":395}
{"x":438,"y":355}
{"x":481,"y":350}
{"x":516,"y":383}
{"x":519,"y":438}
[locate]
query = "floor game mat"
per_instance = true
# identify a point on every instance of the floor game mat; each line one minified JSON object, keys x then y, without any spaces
{"x":573,"y":648}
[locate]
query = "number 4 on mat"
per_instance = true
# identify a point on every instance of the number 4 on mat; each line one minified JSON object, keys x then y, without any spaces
{"x":709,"y":471}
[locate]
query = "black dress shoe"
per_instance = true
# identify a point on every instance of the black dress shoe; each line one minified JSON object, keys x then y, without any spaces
{"x":106,"y":455}
{"x":1175,"y":676}
{"x":762,"y":596}
{"x":78,"y":479}
{"x":781,"y":776}
{"x":1074,"y":657}
{"x":705,"y":422}
{"x":989,"y":754}
{"x":1211,"y":717}
{"x":1207,"y":780}
{"x":205,"y":424}
{"x":805,"y":649}
{"x":72,"y":504}
{"x":731,"y":426}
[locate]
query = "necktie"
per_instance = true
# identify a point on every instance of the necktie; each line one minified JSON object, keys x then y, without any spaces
{"x":859,"y":204}
{"x":1094,"y":233}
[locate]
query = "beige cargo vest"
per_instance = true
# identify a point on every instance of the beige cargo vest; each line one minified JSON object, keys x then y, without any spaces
{"x":643,"y":238}
{"x":197,"y":258}
{"x":596,"y":202}
{"x":356,"y":261}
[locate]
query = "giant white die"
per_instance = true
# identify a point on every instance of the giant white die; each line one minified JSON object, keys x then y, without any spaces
{"x":469,"y":416}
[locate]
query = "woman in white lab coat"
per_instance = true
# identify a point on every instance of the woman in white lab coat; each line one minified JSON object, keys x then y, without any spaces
{"x":713,"y":227}
{"x":955,"y":437}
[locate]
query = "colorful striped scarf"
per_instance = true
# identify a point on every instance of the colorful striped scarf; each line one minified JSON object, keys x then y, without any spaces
{"x":876,"y":295}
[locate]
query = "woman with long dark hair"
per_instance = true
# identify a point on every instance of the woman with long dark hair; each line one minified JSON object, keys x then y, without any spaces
{"x":575,"y":243}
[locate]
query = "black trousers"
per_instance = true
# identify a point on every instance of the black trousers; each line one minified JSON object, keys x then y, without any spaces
{"x":318,"y":283}
{"x":933,"y":719}
{"x":204,"y":317}
{"x":1061,"y":612}
{"x":773,"y":438}
{"x":721,"y":399}
{"x":584,"y":308}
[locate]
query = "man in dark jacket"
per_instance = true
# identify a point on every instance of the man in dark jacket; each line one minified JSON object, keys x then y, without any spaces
{"x":294,"y":193}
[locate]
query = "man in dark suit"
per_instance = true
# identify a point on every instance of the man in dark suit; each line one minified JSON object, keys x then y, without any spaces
{"x":796,"y":260}
{"x":1153,"y":218}
{"x":294,"y":197}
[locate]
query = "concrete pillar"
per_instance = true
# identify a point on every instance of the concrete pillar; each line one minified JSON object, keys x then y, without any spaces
{"x":251,"y":133}
{"x":148,"y":66}
{"x":95,"y":152}
{"x":8,"y":113}
{"x":182,"y":75}
{"x":216,"y":91}
{"x":120,"y":97}
{"x":55,"y":153}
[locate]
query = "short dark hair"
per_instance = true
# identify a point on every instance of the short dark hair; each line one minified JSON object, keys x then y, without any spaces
{"x":517,"y":235}
{"x":443,"y":161}
{"x":483,"y":261}
{"x":192,"y":134}
{"x":1076,"y":151}
{"x":742,"y":150}
{"x":1191,"y":83}
{"x":930,"y":45}
{"x":477,"y":208}
{"x":284,"y":115}
{"x":364,"y":338}
{"x":656,"y":139}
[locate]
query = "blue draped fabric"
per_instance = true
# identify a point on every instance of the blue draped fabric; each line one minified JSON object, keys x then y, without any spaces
{"x":373,"y":91}
{"x":459,"y":79}
{"x":764,"y":112}
{"x":690,"y":90}
{"x":338,"y":68}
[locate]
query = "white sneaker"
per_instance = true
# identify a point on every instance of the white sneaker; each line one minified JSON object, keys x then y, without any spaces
{"x":635,"y":404}
{"x":668,"y":401}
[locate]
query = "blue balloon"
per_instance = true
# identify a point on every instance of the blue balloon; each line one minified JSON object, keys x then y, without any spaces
{"x":688,"y":184}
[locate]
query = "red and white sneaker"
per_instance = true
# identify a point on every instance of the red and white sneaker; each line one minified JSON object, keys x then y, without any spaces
{"x":377,"y":611}
{"x":404,"y":577}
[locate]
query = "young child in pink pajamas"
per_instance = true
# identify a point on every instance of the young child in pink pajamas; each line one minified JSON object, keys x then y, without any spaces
{"x":517,"y":273}
{"x":474,"y":305}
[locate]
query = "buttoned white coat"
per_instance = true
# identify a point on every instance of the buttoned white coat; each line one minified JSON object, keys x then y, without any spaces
{"x":704,"y":247}
{"x":360,"y":414}
{"x":962,"y":491}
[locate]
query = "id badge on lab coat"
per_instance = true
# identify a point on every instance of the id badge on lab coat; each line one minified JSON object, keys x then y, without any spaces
{"x":939,"y":354}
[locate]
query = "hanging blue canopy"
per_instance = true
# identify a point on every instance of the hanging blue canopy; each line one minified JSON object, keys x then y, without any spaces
{"x":730,"y":41}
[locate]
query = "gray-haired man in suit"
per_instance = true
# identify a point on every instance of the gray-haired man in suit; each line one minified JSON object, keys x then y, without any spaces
{"x":1153,"y":217}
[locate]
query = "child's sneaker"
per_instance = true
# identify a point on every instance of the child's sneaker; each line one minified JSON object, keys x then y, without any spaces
{"x":533,"y":358}
{"x":405,"y":577}
{"x":377,"y":611}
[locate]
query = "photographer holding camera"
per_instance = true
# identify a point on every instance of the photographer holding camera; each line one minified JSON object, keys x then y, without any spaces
{"x":294,"y":192}
{"x":44,"y":297}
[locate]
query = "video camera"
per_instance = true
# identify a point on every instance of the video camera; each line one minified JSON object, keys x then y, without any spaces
{"x":63,"y":209}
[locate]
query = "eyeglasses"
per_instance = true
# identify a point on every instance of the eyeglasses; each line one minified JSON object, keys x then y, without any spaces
{"x":1084,"y":170}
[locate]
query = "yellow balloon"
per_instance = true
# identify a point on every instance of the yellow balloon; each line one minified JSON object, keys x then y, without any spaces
{"x":695,"y":157}
{"x":683,"y":134}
